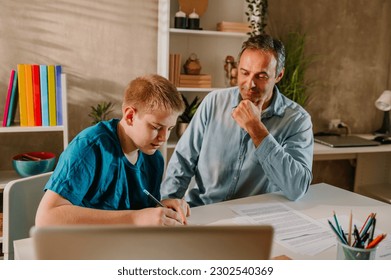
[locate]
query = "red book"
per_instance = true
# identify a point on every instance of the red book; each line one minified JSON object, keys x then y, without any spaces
{"x":36,"y":95}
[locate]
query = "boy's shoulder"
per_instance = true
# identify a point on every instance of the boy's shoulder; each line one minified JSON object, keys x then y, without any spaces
{"x":102,"y":131}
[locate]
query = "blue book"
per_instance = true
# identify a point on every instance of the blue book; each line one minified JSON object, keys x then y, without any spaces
{"x":44,"y":94}
{"x":13,"y":100}
{"x":58,"y":71}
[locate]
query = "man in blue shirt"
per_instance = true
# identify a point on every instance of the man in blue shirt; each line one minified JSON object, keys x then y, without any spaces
{"x":101,"y":176}
{"x":245,"y":140}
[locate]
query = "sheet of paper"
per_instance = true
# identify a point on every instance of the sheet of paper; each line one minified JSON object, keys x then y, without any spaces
{"x":296,"y":231}
{"x":293,"y":229}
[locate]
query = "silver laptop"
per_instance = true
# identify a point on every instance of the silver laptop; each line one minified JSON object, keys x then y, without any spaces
{"x":344,"y":141}
{"x":154,"y":243}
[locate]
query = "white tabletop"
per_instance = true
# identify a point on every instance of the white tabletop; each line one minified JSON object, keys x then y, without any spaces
{"x":319,"y":202}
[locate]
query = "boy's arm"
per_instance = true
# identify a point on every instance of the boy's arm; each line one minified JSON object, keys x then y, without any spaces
{"x":54,"y":209}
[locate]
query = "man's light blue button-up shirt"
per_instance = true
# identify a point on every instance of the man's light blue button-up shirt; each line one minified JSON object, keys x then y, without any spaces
{"x":225,"y":162}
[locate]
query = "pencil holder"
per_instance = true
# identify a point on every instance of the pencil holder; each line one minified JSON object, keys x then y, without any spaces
{"x":345,"y":252}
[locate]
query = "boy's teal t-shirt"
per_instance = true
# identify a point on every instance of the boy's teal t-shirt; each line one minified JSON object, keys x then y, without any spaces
{"x":93,"y":172}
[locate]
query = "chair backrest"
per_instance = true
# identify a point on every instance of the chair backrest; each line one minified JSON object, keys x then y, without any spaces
{"x":21,"y":198}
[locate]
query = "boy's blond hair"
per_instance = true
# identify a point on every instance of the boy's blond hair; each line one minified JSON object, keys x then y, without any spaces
{"x":153,"y":92}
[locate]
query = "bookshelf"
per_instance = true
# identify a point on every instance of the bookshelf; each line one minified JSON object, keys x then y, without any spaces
{"x":9,"y":175}
{"x":210,"y":46}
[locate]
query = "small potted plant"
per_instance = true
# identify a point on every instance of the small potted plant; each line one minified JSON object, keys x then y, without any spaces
{"x":187,"y":115}
{"x":101,"y":112}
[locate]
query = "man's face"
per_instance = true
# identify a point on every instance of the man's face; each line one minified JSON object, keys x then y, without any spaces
{"x":257,"y":76}
{"x":151,"y":130}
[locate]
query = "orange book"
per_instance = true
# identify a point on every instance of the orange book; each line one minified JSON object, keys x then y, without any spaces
{"x":29,"y":95}
{"x":36,"y":95}
{"x":22,"y":95}
{"x":52,"y":95}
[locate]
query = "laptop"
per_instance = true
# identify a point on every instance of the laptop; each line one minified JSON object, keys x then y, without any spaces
{"x":92,"y":242}
{"x":344,"y":141}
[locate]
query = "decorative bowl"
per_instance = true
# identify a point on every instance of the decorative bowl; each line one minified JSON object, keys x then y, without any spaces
{"x":33,"y":163}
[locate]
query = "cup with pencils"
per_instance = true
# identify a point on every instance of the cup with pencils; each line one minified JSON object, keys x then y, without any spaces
{"x":357,"y":244}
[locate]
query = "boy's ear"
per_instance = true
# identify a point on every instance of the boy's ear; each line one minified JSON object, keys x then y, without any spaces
{"x":129,"y":113}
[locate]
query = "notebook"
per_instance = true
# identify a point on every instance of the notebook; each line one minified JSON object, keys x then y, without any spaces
{"x":253,"y":242}
{"x":344,"y":141}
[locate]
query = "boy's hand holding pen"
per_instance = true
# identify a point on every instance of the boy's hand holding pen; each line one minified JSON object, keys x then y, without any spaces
{"x":362,"y":239}
{"x":179,"y":205}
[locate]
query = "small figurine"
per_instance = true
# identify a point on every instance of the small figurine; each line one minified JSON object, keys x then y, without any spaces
{"x":192,"y":65}
{"x":231,"y":70}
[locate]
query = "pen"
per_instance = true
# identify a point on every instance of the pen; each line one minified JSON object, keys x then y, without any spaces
{"x":343,"y":235}
{"x":372,"y":231}
{"x":357,"y":243}
{"x":350,"y":228}
{"x":337,"y":233}
{"x":153,"y":198}
{"x":367,"y":225}
{"x":336,"y":222}
{"x":376,"y":241}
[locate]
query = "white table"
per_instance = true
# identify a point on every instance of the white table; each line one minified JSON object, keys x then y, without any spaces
{"x":320,"y":202}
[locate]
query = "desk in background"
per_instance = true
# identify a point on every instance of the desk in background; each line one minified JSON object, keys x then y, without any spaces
{"x":372,"y":167}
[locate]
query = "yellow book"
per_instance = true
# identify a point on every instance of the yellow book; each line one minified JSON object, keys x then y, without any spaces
{"x":52,"y":95}
{"x":29,"y":95}
{"x":22,"y":95}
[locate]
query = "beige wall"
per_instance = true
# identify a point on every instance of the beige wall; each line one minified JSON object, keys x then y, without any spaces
{"x":351,"y":40}
{"x":352,"y":43}
{"x":103,"y":44}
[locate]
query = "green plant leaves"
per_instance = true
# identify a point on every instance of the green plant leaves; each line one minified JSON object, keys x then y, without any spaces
{"x":101,"y":112}
{"x":293,"y":85}
{"x":190,"y":109}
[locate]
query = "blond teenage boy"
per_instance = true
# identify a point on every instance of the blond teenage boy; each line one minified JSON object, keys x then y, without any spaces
{"x":101,"y":176}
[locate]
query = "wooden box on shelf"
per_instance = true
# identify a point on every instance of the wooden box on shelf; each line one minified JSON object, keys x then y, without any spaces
{"x":195,"y":81}
{"x":227,"y":26}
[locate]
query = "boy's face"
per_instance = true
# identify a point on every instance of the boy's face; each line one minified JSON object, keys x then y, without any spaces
{"x":149,"y":131}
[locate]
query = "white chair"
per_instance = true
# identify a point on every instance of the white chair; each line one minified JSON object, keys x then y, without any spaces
{"x":21,"y":199}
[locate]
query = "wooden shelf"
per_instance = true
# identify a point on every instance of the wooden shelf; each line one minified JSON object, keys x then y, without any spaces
{"x":15,"y":129}
{"x":182,"y":89}
{"x":207,"y":33}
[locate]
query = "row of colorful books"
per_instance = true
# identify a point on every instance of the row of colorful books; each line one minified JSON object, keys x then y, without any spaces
{"x":37,"y":90}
